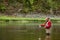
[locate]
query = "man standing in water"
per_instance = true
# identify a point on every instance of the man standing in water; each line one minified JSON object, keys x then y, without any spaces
{"x":47,"y":26}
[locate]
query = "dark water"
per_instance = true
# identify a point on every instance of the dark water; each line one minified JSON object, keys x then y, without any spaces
{"x":27,"y":32}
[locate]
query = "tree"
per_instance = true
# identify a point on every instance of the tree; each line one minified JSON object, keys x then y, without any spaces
{"x":48,"y":5}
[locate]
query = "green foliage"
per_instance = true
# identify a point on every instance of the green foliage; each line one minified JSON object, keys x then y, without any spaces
{"x":1,"y":1}
{"x":27,"y":3}
{"x":43,"y":5}
{"x":31,"y":1}
{"x":12,"y":1}
{"x":52,"y":3}
{"x":25,"y":10}
{"x":2,"y":7}
{"x":57,"y":2}
{"x":20,"y":1}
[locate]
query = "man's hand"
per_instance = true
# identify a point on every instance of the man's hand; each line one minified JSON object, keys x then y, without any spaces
{"x":39,"y":26}
{"x":42,"y":25}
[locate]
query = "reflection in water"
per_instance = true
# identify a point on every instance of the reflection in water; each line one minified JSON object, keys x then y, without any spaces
{"x":47,"y":38}
{"x":39,"y":38}
{"x":11,"y":31}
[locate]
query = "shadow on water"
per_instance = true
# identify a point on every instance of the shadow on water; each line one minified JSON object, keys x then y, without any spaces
{"x":27,"y":32}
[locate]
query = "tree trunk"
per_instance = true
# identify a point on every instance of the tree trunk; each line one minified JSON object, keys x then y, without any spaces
{"x":51,"y":11}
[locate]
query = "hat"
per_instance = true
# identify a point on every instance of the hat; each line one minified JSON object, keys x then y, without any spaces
{"x":47,"y":18}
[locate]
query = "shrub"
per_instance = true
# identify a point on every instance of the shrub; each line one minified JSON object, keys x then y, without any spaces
{"x":2,"y":7}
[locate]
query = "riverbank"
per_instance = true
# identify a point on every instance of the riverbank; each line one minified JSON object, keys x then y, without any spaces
{"x":23,"y":18}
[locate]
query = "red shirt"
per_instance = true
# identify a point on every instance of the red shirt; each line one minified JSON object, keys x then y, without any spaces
{"x":48,"y":25}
